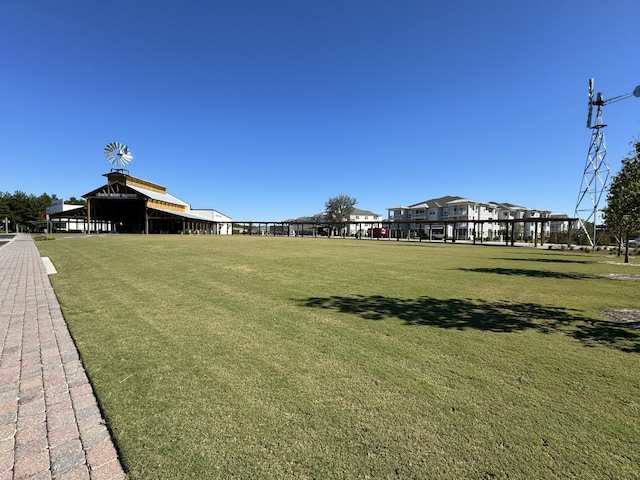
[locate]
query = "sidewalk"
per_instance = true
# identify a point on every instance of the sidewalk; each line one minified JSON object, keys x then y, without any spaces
{"x":50,"y":423}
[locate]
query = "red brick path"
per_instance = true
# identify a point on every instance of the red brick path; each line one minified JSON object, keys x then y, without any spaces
{"x":50,"y":423}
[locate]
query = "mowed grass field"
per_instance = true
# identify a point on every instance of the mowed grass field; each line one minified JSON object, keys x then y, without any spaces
{"x":260,"y":357}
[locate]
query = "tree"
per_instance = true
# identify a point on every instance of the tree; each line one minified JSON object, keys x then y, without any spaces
{"x":339,"y":209}
{"x":622,"y":213}
{"x":24,"y":210}
{"x":76,"y":201}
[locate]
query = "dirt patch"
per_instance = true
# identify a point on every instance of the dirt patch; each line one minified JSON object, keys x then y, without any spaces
{"x":624,"y":316}
{"x":625,"y":264}
{"x":240,"y":268}
{"x":623,"y":276}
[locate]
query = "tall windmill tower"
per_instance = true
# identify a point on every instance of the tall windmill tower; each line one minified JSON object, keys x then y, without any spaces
{"x":595,"y":178}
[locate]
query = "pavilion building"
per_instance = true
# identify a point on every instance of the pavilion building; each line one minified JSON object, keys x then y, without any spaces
{"x":127,"y":204}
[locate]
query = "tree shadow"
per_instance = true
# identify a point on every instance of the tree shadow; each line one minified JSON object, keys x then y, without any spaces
{"x":596,"y":332}
{"x":547,"y":260}
{"x":499,"y":317}
{"x":530,"y":273}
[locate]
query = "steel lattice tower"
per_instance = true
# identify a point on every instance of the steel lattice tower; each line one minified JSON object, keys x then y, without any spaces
{"x":595,"y":177}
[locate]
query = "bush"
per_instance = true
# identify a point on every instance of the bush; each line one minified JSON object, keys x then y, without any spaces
{"x":40,"y":238}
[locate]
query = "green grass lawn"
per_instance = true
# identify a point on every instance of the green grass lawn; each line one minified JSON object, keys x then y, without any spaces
{"x":259,"y":357}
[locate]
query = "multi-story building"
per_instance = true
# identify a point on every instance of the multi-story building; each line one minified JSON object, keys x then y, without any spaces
{"x":462,"y":218}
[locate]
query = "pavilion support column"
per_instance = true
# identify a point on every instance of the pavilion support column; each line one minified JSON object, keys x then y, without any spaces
{"x":88,"y":216}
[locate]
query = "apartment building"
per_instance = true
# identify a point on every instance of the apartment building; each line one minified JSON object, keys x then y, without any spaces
{"x":465,"y":219}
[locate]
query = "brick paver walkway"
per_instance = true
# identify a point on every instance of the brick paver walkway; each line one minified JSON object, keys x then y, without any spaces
{"x":50,"y":423}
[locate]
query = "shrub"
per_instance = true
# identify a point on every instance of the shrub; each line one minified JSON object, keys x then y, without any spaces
{"x":40,"y":238}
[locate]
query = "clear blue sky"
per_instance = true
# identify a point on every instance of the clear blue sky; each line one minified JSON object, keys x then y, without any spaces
{"x":263,"y":109}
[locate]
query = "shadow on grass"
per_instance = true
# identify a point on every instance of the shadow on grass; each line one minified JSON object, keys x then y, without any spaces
{"x":500,"y":317}
{"x":547,"y":260}
{"x":524,"y":272}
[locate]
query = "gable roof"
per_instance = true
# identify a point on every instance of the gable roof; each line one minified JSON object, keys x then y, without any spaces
{"x":154,"y":195}
{"x":161,"y":197}
{"x":357,"y":211}
{"x":509,"y":206}
{"x":436,"y":202}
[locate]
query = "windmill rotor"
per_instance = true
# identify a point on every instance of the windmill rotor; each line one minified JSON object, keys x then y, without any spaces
{"x":117,"y":154}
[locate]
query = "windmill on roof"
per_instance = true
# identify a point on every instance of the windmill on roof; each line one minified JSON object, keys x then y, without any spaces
{"x":118,"y":155}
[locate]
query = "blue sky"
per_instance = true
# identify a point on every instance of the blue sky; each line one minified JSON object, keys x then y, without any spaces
{"x":265,"y":109}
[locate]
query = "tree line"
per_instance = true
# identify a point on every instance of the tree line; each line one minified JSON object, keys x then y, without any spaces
{"x":22,"y":211}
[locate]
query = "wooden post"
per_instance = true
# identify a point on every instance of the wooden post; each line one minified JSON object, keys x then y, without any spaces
{"x":146,"y":218}
{"x":88,"y":216}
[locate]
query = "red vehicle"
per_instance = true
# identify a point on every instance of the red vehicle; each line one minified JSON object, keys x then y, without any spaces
{"x":377,"y":232}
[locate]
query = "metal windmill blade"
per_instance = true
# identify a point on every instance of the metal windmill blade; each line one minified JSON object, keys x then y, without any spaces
{"x":117,"y":154}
